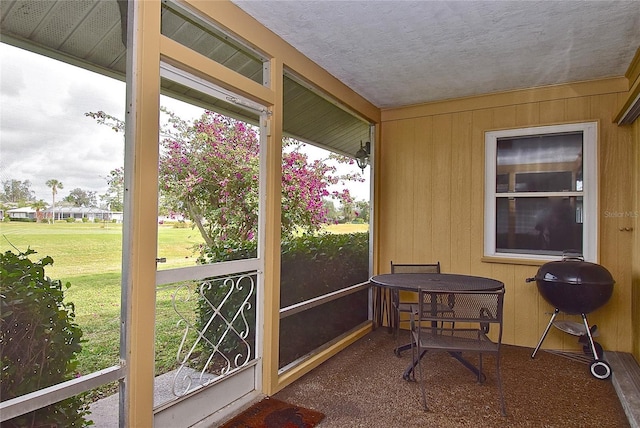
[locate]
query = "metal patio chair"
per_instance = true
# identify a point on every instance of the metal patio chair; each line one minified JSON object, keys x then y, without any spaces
{"x":464,"y":328}
{"x":410,"y":305}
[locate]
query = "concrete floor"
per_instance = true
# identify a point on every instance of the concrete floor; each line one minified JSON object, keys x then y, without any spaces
{"x":362,"y":386}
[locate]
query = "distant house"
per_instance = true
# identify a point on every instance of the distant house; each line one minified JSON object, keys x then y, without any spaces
{"x":117,"y":216}
{"x":61,"y":213}
{"x":78,"y":213}
{"x":23,"y":213}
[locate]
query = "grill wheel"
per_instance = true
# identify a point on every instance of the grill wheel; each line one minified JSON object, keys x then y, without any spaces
{"x":600,"y":369}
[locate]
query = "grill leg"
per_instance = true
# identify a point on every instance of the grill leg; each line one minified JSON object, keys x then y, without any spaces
{"x":546,"y":330}
{"x":596,"y":354}
{"x":600,"y":369}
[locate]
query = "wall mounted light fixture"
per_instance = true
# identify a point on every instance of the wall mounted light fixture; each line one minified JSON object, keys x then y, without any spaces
{"x":362,"y":155}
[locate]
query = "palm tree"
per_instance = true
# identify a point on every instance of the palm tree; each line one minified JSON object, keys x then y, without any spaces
{"x":55,"y":185}
{"x":38,"y":205}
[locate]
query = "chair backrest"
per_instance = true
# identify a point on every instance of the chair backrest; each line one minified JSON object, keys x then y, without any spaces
{"x":415,"y":268}
{"x":479,"y":308}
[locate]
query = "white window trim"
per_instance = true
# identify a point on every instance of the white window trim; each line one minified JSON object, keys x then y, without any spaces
{"x":590,"y":186}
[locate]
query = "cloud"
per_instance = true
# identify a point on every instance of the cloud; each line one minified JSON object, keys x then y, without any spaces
{"x":44,"y":131}
{"x":11,"y":81}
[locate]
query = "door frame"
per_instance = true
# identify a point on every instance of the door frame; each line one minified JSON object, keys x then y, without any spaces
{"x":242,"y":385}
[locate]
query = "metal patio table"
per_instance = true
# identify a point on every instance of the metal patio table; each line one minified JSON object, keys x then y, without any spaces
{"x":436,"y":283}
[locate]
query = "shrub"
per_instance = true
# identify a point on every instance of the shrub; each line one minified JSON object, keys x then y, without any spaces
{"x":313,"y":265}
{"x":23,"y":220}
{"x":70,"y":220}
{"x":39,"y":340}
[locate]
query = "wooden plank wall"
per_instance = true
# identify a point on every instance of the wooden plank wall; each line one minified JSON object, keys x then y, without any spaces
{"x":430,"y":202}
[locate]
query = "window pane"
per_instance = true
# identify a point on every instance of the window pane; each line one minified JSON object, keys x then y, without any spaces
{"x":541,"y":191}
{"x":324,"y":249}
{"x":538,"y":225}
{"x":544,"y":181}
{"x":61,"y":176}
{"x":325,"y":224}
{"x":541,"y":163}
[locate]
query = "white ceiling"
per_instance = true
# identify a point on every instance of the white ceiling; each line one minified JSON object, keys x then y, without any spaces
{"x":397,"y":53}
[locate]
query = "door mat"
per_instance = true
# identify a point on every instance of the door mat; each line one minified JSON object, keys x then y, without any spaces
{"x":273,"y":413}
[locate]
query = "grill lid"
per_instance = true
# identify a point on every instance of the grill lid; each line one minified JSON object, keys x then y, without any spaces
{"x":574,"y":270}
{"x":573,"y":285}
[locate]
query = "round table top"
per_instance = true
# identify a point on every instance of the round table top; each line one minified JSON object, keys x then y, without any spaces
{"x":436,"y":282}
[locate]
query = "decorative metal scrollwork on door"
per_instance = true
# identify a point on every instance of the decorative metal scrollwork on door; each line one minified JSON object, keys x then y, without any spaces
{"x":219,"y":338}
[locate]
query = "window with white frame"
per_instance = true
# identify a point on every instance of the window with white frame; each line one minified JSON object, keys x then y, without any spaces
{"x":541,"y":191}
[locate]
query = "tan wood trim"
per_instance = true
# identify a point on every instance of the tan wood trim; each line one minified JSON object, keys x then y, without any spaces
{"x":542,"y":167}
{"x":635,"y":252}
{"x":241,"y":24}
{"x":199,"y":65}
{"x":633,"y":72}
{"x":506,"y":260}
{"x":510,"y":98}
{"x":633,"y":93}
{"x":141,"y":246}
{"x":374,"y":230}
{"x":272,"y":236}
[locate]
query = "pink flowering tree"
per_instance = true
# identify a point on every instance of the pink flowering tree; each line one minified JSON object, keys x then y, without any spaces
{"x":305,"y":187}
{"x":209,"y":171}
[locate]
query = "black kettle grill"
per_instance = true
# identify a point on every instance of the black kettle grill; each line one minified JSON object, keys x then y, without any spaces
{"x":576,"y":287}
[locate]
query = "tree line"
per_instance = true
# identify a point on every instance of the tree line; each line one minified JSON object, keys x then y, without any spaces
{"x":18,"y":193}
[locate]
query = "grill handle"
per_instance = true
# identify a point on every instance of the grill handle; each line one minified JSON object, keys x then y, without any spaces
{"x":572,"y":255}
{"x":530,"y":279}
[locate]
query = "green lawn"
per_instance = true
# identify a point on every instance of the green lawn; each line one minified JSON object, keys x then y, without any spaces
{"x":347,"y":228}
{"x":91,"y":248}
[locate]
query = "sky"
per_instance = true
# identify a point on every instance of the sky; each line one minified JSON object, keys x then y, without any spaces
{"x":44,"y":133}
